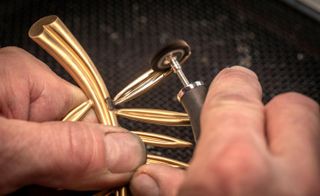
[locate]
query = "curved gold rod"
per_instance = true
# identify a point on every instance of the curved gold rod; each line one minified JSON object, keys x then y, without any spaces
{"x":155,"y":116}
{"x":140,"y":85}
{"x":53,"y":36}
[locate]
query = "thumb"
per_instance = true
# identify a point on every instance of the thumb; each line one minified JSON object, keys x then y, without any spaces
{"x":157,"y":180}
{"x":67,"y":155}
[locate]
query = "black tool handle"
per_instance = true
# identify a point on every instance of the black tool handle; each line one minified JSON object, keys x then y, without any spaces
{"x":192,"y":100}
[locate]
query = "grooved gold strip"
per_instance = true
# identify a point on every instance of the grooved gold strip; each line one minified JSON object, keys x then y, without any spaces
{"x":78,"y":112}
{"x":155,"y":116}
{"x":140,"y":85}
{"x":53,"y":36}
{"x":154,"y":159}
{"x":160,"y":140}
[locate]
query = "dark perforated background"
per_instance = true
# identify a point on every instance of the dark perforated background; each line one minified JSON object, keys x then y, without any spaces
{"x":279,"y":43}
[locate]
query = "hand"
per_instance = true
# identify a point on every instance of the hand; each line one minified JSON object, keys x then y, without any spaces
{"x":245,"y":148}
{"x":36,"y":148}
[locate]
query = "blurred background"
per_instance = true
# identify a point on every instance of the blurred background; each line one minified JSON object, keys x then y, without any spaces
{"x":277,"y":39}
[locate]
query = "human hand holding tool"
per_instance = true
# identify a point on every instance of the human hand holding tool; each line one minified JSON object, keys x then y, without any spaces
{"x":245,"y":148}
{"x":53,"y":36}
{"x":192,"y":95}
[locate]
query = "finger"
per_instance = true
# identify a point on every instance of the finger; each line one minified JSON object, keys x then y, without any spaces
{"x":156,"y":180}
{"x":293,"y":126}
{"x":232,"y":138}
{"x":234,"y":99}
{"x":79,"y":156}
{"x":232,"y":113}
{"x":31,"y":91}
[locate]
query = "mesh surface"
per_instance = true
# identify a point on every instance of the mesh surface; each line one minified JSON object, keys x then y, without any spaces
{"x":280,"y":44}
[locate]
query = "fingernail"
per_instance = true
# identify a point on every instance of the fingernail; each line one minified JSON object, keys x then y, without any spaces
{"x":143,"y":184}
{"x":244,"y":70}
{"x":125,"y":151}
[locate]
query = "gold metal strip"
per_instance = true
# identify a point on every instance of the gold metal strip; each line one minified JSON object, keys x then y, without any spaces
{"x":53,"y":36}
{"x":160,"y":140}
{"x":155,"y":116}
{"x":153,"y":139}
{"x":78,"y":112}
{"x":140,"y":85}
{"x":154,"y":159}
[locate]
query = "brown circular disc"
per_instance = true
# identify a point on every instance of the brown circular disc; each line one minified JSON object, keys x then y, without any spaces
{"x":178,"y":49}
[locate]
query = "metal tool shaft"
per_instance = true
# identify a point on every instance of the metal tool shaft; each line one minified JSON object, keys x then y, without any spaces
{"x":191,"y":96}
{"x":175,"y":65}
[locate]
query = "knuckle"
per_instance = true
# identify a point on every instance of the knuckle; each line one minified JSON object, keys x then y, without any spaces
{"x":239,"y":165}
{"x":232,"y":112}
{"x":12,"y":50}
{"x":232,"y":98}
{"x":239,"y":168}
{"x":19,"y":58}
{"x":83,"y":148}
{"x":14,"y":56}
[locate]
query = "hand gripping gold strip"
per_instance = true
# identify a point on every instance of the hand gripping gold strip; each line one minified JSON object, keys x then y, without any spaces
{"x":52,"y":35}
{"x":148,"y":138}
{"x":155,"y":116}
{"x":140,"y":85}
{"x":160,"y":140}
{"x":153,"y":139}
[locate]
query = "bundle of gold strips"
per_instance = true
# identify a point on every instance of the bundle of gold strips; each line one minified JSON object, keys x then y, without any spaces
{"x":54,"y":37}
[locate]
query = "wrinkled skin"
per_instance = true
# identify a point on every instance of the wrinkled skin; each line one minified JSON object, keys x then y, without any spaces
{"x":36,"y":148}
{"x":246,"y":148}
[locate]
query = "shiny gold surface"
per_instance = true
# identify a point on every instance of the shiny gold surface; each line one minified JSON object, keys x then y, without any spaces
{"x":154,"y":159}
{"x":78,"y":112}
{"x":122,"y":191}
{"x":140,"y":85}
{"x":53,"y":36}
{"x":160,"y":140}
{"x":153,"y":139}
{"x":155,"y":116}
